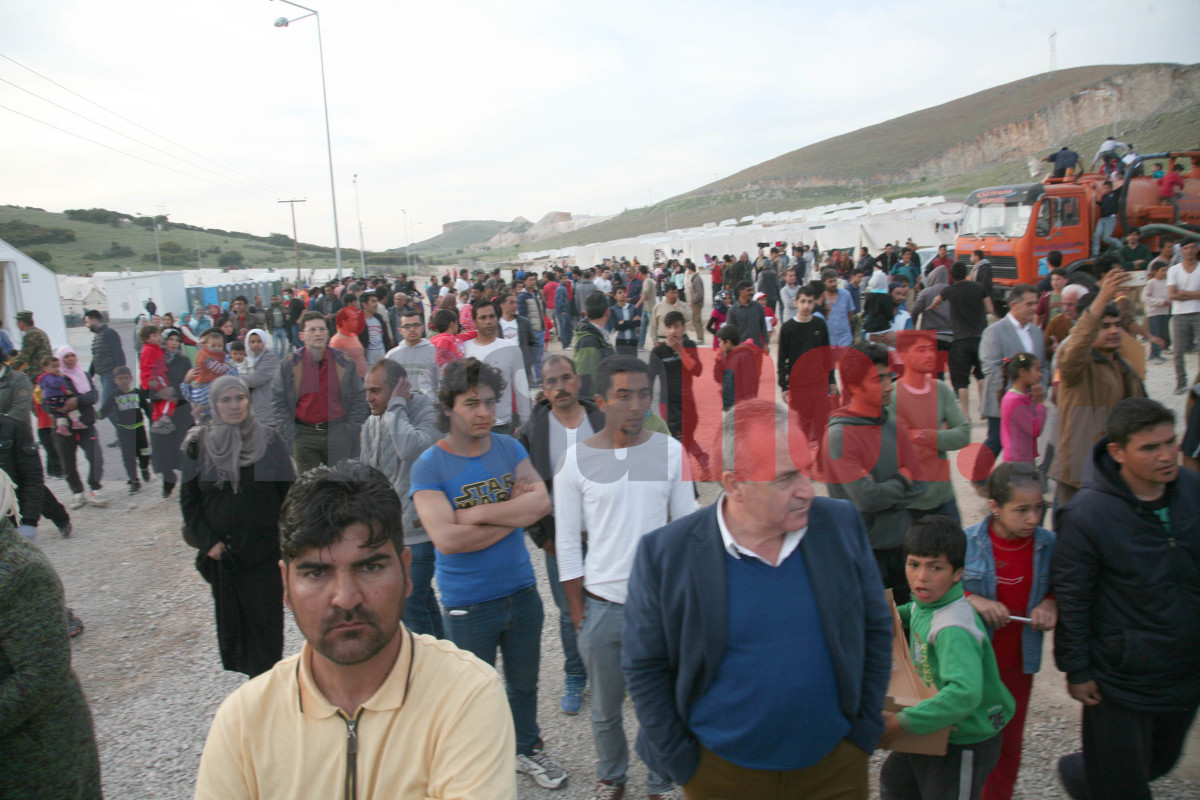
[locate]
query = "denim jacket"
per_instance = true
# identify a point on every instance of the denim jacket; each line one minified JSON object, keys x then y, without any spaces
{"x":979,"y":577}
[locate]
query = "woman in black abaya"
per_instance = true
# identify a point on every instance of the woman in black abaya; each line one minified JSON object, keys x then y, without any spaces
{"x":236,"y":473}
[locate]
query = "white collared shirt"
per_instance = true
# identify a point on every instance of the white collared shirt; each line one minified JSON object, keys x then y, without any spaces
{"x":1024,"y":333}
{"x":791,"y":539}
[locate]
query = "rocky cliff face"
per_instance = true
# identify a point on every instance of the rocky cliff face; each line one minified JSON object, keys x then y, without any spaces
{"x":1139,"y":93}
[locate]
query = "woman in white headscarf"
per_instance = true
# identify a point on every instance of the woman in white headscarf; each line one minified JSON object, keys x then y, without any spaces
{"x":263,"y":366}
{"x":237,"y":473}
{"x":85,"y":439}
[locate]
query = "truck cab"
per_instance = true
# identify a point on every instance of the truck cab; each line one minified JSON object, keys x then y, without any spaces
{"x":1017,"y":225}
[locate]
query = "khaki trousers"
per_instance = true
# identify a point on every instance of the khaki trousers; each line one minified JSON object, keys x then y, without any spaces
{"x":841,"y":775}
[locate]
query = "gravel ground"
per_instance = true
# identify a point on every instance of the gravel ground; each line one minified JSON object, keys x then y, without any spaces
{"x":149,"y":664}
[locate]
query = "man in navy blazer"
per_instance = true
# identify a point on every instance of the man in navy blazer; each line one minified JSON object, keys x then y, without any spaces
{"x":757,"y":640}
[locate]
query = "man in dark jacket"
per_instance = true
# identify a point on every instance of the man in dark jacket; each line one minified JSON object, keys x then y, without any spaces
{"x":19,"y":458}
{"x":1126,"y":574}
{"x":862,"y":453}
{"x":591,"y":342}
{"x":561,"y":418}
{"x":376,"y":336}
{"x":748,"y":315}
{"x":107,"y":353}
{"x":318,"y":399}
{"x":693,"y":653}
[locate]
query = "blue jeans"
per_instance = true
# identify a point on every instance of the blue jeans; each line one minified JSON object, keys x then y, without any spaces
{"x":294,"y":332}
{"x":422,"y":613}
{"x":514,"y":625}
{"x":992,"y":442}
{"x":281,"y":341}
{"x":600,"y":645}
{"x":538,"y":350}
{"x":1104,"y":229}
{"x":947,"y":509}
{"x":563,"y":320}
{"x":107,"y":386}
{"x":1160,"y":326}
{"x":572,"y":663}
{"x":644,"y":328}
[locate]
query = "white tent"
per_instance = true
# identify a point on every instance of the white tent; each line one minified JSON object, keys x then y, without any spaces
{"x":25,"y":285}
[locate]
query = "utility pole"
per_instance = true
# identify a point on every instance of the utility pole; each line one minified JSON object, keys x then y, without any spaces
{"x":199,"y":260}
{"x":362,"y":254}
{"x":295,"y":238}
{"x":408,"y":238}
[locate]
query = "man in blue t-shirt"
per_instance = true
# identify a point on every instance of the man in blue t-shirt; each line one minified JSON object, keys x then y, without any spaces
{"x":474,"y":492}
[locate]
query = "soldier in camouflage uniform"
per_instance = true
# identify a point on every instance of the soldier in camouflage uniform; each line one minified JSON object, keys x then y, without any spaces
{"x":35,"y":345}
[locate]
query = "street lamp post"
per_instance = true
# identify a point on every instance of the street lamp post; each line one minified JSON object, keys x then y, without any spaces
{"x":283,"y":22}
{"x":362,"y":254}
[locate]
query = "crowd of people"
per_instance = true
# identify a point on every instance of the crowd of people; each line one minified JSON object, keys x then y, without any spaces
{"x":371,"y":456}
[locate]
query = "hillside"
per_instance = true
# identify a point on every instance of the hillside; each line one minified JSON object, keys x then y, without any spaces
{"x":460,"y":235}
{"x":979,"y":140}
{"x":126,"y":244}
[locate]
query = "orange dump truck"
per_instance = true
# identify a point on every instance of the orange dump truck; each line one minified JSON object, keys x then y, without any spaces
{"x":1016,"y":226}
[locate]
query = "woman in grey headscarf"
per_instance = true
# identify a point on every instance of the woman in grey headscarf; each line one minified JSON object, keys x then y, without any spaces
{"x":237,"y":473}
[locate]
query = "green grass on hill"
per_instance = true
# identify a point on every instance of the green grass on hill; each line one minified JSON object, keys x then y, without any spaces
{"x":93,"y":239}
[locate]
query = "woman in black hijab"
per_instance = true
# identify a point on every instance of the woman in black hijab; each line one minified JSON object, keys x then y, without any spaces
{"x":237,"y":473}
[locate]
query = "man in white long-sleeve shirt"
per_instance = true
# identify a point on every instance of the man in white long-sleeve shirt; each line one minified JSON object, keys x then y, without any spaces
{"x":618,"y":485}
{"x":504,"y":355}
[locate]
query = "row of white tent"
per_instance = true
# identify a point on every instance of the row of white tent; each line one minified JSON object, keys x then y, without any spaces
{"x":80,"y":292}
{"x":928,"y":221}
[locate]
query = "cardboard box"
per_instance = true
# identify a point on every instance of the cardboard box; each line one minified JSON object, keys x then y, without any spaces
{"x":906,"y":689}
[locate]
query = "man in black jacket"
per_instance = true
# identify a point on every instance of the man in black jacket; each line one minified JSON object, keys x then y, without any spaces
{"x":376,"y":336}
{"x":19,"y":458}
{"x":558,"y":421}
{"x":1126,"y":573}
{"x":107,"y":353}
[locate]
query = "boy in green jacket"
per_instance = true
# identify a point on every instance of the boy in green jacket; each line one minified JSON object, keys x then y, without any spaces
{"x":951,"y":650}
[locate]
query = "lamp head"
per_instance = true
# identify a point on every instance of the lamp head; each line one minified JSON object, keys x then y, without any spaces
{"x":282,"y":22}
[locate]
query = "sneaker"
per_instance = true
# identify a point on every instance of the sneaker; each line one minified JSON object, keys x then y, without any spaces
{"x":146,"y":477}
{"x":544,"y":770}
{"x":65,"y":529}
{"x":167,"y":487}
{"x":607,"y":790}
{"x":1158,"y":360}
{"x":95,"y":498}
{"x":164,"y":425}
{"x":115,"y":443}
{"x":572,"y":699}
{"x":670,"y":794}
{"x":76,"y":502}
{"x":134,"y":487}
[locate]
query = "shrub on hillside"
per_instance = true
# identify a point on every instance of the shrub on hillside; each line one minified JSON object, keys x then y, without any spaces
{"x":100,"y":216}
{"x":23,"y":234}
{"x":233,"y":258}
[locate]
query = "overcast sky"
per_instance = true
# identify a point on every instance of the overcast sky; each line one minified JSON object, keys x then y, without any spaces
{"x":489,"y":110}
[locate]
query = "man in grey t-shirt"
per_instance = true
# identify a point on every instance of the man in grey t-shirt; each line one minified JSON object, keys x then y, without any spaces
{"x":415,"y":353}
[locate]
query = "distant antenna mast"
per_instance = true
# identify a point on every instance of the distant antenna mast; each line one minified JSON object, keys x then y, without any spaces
{"x":1053,"y":56}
